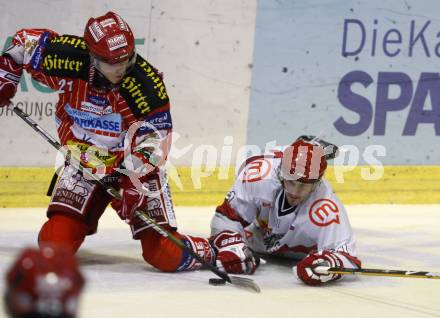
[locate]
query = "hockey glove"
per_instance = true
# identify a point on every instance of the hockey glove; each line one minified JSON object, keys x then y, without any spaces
{"x":131,"y":200}
{"x":233,"y":256}
{"x":10,"y":74}
{"x":304,"y":270}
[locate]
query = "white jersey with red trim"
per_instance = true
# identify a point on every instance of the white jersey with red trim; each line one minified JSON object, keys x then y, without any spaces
{"x":256,"y":206}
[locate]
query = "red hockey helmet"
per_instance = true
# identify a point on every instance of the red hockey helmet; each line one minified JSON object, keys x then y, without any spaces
{"x":109,"y":38}
{"x":303,"y":161}
{"x":43,"y":282}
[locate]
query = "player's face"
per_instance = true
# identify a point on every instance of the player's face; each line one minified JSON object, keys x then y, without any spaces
{"x":297,"y":192}
{"x":113,"y":72}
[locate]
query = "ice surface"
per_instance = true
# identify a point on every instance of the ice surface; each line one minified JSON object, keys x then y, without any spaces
{"x":121,"y":284}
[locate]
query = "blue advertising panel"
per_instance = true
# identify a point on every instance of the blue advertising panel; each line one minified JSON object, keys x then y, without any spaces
{"x":359,"y":73}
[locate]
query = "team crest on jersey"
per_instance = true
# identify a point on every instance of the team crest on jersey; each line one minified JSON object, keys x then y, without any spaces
{"x":324,"y":212}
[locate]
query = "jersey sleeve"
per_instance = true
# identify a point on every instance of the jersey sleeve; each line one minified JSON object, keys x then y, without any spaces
{"x":145,"y":93}
{"x":239,"y":208}
{"x":153,"y":138}
{"x":336,"y":234}
{"x":27,"y":49}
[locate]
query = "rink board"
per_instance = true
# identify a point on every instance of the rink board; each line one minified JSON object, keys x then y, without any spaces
{"x":26,"y":187}
{"x":120,"y":284}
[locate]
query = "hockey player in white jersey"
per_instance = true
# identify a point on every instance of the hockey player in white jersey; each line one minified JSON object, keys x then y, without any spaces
{"x":281,"y":205}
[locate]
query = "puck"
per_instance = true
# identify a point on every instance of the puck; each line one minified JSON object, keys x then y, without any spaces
{"x":217,"y":281}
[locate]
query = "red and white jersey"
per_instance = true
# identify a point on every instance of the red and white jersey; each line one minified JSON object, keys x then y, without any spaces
{"x":256,"y":206}
{"x":86,"y":114}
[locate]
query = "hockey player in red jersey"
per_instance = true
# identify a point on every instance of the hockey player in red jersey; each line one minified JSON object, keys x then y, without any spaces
{"x":113,"y":113}
{"x":43,"y":283}
{"x":281,"y":205}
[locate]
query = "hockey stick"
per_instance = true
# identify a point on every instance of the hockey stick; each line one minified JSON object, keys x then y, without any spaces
{"x":234,"y":280}
{"x":74,"y":161}
{"x":324,"y":270}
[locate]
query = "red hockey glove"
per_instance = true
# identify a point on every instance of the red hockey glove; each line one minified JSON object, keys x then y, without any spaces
{"x":233,"y":256}
{"x":10,"y":74}
{"x":304,"y":270}
{"x":132,"y":199}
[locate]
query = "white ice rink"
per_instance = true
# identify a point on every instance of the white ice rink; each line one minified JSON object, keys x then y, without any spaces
{"x":120,"y":284}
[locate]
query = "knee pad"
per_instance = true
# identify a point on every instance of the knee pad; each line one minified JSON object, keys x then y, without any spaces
{"x":164,"y":255}
{"x":65,"y":230}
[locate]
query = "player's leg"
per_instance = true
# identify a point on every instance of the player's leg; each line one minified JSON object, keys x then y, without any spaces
{"x":157,"y":250}
{"x":63,"y":229}
{"x":74,"y":211}
{"x":162,"y":254}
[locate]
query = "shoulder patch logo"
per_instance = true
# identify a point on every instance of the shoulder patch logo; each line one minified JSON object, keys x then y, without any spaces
{"x":256,"y":170}
{"x":144,"y":90}
{"x":324,"y":212}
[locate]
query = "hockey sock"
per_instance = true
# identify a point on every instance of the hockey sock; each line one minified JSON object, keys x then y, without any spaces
{"x":164,"y":255}
{"x":63,"y":230}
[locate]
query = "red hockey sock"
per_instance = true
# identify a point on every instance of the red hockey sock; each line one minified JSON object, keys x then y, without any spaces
{"x":164,"y":255}
{"x":64,"y":230}
{"x":160,"y":252}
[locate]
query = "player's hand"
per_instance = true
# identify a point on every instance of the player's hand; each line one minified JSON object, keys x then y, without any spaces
{"x":233,"y":256}
{"x":304,"y":270}
{"x":131,"y":200}
{"x":10,"y":73}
